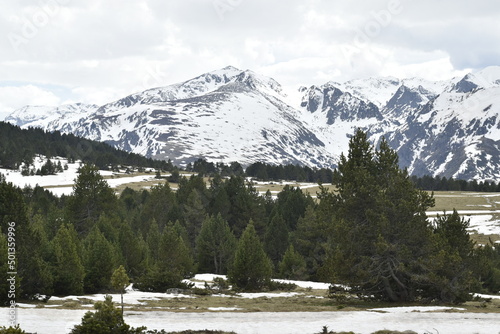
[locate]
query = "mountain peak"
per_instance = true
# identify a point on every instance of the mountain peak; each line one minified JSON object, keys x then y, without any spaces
{"x":232,"y":114}
{"x":230,"y":68}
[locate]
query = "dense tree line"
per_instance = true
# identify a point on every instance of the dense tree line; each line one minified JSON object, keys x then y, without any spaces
{"x":372,"y":234}
{"x":268,"y":172}
{"x":207,"y":168}
{"x":298,"y":173}
{"x":438,"y":183}
{"x":18,"y":146}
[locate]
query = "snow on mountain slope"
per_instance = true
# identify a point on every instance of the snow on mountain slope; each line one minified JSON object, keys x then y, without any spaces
{"x":457,"y":134}
{"x":242,"y":120}
{"x":198,"y":86}
{"x":448,"y":128}
{"x":376,"y":90}
{"x":50,"y":117}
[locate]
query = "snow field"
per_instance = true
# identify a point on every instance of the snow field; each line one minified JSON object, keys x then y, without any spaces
{"x":421,"y":320}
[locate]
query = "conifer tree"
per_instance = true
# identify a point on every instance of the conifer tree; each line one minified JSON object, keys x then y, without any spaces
{"x":173,"y":262}
{"x":69,"y":271}
{"x":218,"y":199}
{"x":99,"y":261}
{"x":215,"y":245}
{"x":91,"y":197}
{"x":252,"y":269}
{"x":451,"y":264}
{"x":173,"y":255}
{"x":4,"y":269}
{"x":120,"y":280}
{"x":153,"y":241}
{"x":160,"y":206}
{"x":133,"y":250}
{"x":292,"y":203}
{"x":33,"y":272}
{"x":105,"y":320}
{"x":245,"y":204}
{"x":194,"y":214}
{"x":293,"y":265}
{"x":276,"y":238}
{"x":311,"y":237}
{"x":381,"y":238}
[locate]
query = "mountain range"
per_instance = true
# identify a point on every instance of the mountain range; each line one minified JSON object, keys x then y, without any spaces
{"x":447,"y":128}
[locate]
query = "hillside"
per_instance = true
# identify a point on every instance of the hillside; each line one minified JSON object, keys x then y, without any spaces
{"x":22,"y":145}
{"x":446,"y":128}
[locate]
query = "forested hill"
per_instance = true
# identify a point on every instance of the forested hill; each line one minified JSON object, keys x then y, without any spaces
{"x":21,"y":145}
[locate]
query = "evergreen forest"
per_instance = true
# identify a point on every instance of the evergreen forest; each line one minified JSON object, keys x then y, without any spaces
{"x":371,"y":234}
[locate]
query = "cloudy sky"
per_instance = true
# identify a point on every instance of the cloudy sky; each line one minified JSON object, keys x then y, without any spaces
{"x":96,"y":51}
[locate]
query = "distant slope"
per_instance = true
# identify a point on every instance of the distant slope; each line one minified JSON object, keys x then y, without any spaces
{"x":445,"y":128}
{"x":21,"y":145}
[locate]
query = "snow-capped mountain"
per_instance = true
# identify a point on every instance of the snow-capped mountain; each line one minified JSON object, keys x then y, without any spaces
{"x":449,"y":128}
{"x":225,"y":115}
{"x":50,"y":117}
{"x":456,"y":134}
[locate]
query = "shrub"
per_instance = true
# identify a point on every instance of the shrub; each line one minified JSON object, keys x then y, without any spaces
{"x":12,"y":330}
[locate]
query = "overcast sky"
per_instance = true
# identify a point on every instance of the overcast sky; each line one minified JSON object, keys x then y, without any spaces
{"x":96,"y":51}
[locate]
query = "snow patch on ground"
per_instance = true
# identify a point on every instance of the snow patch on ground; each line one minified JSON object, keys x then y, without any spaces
{"x":422,"y":319}
{"x":56,"y":321}
{"x":131,"y":297}
{"x":62,"y":183}
{"x":483,"y":224}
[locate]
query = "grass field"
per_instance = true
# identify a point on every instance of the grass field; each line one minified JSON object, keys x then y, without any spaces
{"x":301,"y":299}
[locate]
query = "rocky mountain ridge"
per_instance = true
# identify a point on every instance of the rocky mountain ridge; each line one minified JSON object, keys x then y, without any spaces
{"x":448,"y":128}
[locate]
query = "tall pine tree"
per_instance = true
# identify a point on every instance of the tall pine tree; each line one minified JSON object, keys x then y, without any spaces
{"x":215,"y":245}
{"x":252,"y":269}
{"x":69,"y":271}
{"x":381,"y":238}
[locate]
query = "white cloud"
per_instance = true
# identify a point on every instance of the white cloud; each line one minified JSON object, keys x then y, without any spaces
{"x":99,"y":50}
{"x":12,"y":97}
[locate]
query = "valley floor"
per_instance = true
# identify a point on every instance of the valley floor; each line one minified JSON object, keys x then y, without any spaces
{"x":303,"y":311}
{"x":59,"y":321}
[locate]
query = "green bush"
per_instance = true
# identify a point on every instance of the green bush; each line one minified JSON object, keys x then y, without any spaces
{"x":282,"y":286}
{"x":105,"y":320}
{"x":11,"y":330}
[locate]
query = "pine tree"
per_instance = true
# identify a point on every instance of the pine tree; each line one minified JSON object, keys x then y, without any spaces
{"x":245,"y":204}
{"x":153,"y":241}
{"x":120,"y":281}
{"x":215,"y":245}
{"x":310,"y":239}
{"x":173,"y":262}
{"x":194,"y":214}
{"x":32,"y":271}
{"x":293,"y":265}
{"x":173,"y":255}
{"x":292,"y":203}
{"x":99,"y":261}
{"x":218,"y":199}
{"x":69,"y":271}
{"x":380,"y":234}
{"x":252,"y":269}
{"x":133,"y":250}
{"x":276,"y":238}
{"x":91,"y":197}
{"x":160,"y":206}
{"x":4,"y":269}
{"x":105,"y":320}
{"x":451,"y":263}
